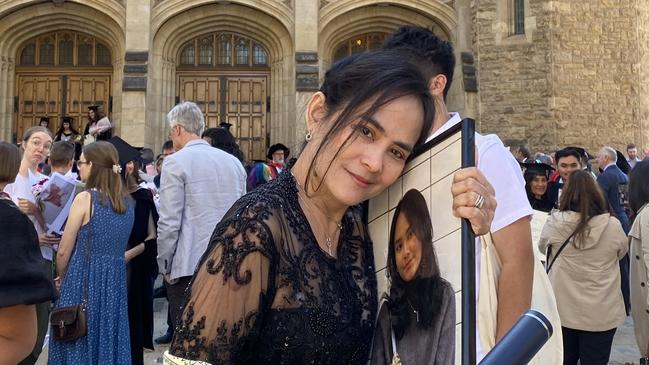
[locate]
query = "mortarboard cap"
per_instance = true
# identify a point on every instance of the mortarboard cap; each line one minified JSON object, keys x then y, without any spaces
{"x":67,"y":119}
{"x":537,"y":168}
{"x":94,"y":108}
{"x":125,"y":151}
{"x":225,"y":125}
{"x":583,"y":153}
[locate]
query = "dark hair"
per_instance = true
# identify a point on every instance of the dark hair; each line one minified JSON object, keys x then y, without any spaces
{"x":59,"y":132}
{"x":222,"y":139}
{"x":380,"y":77}
{"x":62,"y":153}
{"x":523,"y":150}
{"x":529,"y":175}
{"x":583,"y":195}
{"x":424,"y":45}
{"x":131,"y":181}
{"x":567,"y":152}
{"x":639,"y":186}
{"x":9,"y":162}
{"x":630,"y":146}
{"x":167,"y":145}
{"x":278,"y":147}
{"x":426,"y":290}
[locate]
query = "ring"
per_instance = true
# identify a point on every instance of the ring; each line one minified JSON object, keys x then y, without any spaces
{"x":479,"y":202}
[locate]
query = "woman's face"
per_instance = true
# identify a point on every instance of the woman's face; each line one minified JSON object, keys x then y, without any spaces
{"x":130,"y":166}
{"x":91,"y":114}
{"x":84,"y":167}
{"x":66,"y":125}
{"x":376,"y":152}
{"x":538,"y":185}
{"x":37,"y":148}
{"x":407,"y":249}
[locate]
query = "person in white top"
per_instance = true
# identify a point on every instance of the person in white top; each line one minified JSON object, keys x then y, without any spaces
{"x":36,"y":145}
{"x":510,"y":227}
{"x":198,"y":185}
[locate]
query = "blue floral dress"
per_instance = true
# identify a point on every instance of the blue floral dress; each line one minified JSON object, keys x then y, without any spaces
{"x":107,"y":341}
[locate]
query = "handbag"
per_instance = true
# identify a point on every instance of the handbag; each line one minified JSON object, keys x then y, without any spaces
{"x":543,"y":300}
{"x":70,"y":323}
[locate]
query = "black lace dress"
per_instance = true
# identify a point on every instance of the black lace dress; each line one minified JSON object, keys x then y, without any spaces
{"x":265,"y":293}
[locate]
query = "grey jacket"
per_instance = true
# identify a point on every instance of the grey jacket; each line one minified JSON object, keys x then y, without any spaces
{"x":198,"y":185}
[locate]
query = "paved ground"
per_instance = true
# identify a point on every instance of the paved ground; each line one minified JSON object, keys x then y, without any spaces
{"x":625,"y":350}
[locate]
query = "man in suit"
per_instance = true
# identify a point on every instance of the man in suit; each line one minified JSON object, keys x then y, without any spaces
{"x":198,"y":185}
{"x":613,"y":181}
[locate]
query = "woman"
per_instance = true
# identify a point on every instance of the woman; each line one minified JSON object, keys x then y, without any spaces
{"x":536,"y":185}
{"x":222,"y":139}
{"x":66,"y":131}
{"x":141,"y":253}
{"x":99,"y":127}
{"x":288,"y":276}
{"x":639,"y":238}
{"x":584,"y":244}
{"x":419,"y":312}
{"x":100,"y":276}
{"x":36,"y":145}
{"x":24,"y":276}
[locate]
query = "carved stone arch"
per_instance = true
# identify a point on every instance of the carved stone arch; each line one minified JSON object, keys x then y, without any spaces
{"x":176,"y":31}
{"x":281,"y":11}
{"x":114,"y":9}
{"x":27,"y":22}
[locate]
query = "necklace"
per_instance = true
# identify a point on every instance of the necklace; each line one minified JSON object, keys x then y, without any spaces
{"x":329,"y":240}
{"x":413,"y":310}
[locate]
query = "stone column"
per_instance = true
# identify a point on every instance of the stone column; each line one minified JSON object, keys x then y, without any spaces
{"x":134,"y":85}
{"x":6,"y":100}
{"x":306,"y":62}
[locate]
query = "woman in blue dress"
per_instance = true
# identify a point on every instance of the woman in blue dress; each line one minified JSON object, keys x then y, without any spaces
{"x":94,"y":218}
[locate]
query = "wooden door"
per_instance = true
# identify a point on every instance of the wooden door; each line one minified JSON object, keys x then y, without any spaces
{"x":56,"y":95}
{"x":238,"y":100}
{"x":83,"y":91}
{"x":38,"y":96}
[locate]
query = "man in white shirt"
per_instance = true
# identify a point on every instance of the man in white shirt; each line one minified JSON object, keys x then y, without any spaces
{"x":632,"y":152}
{"x":198,"y":186}
{"x":511,"y":224}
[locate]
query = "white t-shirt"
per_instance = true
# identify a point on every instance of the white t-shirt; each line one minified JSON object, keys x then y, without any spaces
{"x":504,"y":173}
{"x":22,"y":189}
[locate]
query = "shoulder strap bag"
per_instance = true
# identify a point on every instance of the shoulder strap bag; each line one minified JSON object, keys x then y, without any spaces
{"x":550,"y":263}
{"x":70,"y":323}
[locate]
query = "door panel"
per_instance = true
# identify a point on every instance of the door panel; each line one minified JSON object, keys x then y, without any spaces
{"x":238,"y":100}
{"x":43,"y":95}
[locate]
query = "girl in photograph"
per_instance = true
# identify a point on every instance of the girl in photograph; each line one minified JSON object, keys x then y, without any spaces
{"x":416,"y":323}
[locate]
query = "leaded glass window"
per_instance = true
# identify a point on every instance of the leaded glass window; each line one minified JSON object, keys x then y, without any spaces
{"x":28,"y":55}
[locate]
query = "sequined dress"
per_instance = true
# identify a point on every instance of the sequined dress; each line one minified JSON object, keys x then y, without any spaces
{"x":265,"y":293}
{"x":107,"y":341}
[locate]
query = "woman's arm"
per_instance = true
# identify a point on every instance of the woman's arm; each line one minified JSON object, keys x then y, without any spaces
{"x":79,"y":215}
{"x":17,"y":333}
{"x":139,"y":249}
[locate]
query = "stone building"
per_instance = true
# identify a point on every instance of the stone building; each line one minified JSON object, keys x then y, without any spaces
{"x":547,"y":72}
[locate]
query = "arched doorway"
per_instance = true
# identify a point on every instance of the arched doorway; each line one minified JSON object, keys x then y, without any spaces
{"x":227,"y":75}
{"x":61,"y":74}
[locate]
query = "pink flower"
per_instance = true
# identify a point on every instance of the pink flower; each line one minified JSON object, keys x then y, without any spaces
{"x":38,"y":188}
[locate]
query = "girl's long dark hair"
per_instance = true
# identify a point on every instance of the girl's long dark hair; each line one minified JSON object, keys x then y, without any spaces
{"x":59,"y":132}
{"x":583,"y":195}
{"x":425,"y":292}
{"x":224,"y":140}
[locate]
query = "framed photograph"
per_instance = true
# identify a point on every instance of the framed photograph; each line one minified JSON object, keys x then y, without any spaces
{"x":429,"y":174}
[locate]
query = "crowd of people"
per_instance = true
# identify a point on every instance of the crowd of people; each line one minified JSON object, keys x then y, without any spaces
{"x":272,"y":262}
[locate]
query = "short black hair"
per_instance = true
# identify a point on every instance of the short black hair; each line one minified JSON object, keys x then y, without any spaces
{"x":568,"y":152}
{"x":167,"y":145}
{"x":424,"y":45}
{"x":630,"y":146}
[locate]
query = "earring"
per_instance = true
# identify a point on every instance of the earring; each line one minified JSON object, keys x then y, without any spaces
{"x":308,"y":136}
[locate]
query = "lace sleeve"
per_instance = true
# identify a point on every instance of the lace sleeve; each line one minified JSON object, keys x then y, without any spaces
{"x":230,"y":291}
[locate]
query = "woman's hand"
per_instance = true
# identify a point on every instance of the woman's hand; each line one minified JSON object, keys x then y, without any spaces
{"x":28,"y":207}
{"x":48,"y":240}
{"x":468,"y":185}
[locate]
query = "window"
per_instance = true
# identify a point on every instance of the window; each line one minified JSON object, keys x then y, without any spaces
{"x":64,"y":49}
{"x":84,"y":52}
{"x":242,"y":52}
{"x":28,"y":55}
{"x":46,"y":56}
{"x":519,"y":17}
{"x":259,"y":55}
{"x":359,"y":44}
{"x":187,"y":57}
{"x":205,"y":51}
{"x":225,"y":50}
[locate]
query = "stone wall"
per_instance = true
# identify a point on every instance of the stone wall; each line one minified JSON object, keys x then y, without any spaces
{"x":577,"y":77}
